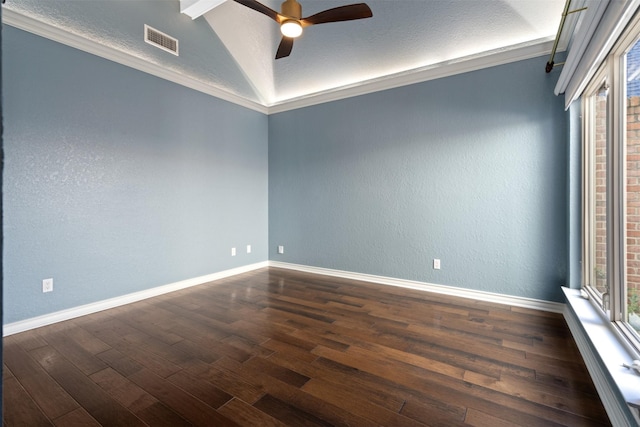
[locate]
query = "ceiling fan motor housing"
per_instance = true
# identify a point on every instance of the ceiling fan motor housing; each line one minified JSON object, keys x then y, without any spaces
{"x":292,"y":9}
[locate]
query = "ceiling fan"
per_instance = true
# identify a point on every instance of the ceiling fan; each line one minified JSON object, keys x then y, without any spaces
{"x":291,"y":20}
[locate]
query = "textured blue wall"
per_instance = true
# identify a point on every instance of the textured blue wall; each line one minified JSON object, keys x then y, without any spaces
{"x":116,"y":181}
{"x":470,"y":169}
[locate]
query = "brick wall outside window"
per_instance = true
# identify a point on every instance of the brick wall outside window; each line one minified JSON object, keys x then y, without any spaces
{"x":632,"y":195}
{"x":633,"y":200}
{"x":601,"y":194}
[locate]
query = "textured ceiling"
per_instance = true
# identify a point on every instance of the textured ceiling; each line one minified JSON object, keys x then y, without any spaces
{"x":232,"y":48}
{"x":401,"y":35}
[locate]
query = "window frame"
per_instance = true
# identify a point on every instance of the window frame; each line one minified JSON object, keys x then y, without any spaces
{"x":612,"y":71}
{"x":588,"y":183}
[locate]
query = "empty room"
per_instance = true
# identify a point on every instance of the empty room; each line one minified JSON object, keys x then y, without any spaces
{"x":320,"y":212}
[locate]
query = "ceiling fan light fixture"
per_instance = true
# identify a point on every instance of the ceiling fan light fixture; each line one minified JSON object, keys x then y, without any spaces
{"x":291,"y":21}
{"x":291,"y":28}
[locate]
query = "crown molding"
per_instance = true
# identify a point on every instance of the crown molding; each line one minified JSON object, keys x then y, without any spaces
{"x":488,"y":59}
{"x":466,"y":64}
{"x":76,"y":41}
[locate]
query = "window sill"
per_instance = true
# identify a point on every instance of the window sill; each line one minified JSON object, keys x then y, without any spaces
{"x":604,"y":351}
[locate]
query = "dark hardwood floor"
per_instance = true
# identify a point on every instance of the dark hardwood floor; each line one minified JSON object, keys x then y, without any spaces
{"x":275,"y":347}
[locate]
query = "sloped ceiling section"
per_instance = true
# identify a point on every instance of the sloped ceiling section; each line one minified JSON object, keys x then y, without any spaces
{"x":230,"y":48}
{"x":119,"y":25}
{"x":401,"y":35}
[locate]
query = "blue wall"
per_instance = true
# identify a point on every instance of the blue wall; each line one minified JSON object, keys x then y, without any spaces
{"x":116,"y":181}
{"x":470,"y":169}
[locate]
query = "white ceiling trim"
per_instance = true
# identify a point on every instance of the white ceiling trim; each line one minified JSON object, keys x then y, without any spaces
{"x":50,"y":32}
{"x":196,"y":8}
{"x":436,"y":71}
{"x":470,"y":63}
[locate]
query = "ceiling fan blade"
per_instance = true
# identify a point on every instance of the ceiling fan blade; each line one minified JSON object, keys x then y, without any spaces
{"x":259,"y":7}
{"x":337,"y":14}
{"x":285,"y":47}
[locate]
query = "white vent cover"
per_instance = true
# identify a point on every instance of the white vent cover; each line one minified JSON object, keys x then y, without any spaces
{"x":160,"y":40}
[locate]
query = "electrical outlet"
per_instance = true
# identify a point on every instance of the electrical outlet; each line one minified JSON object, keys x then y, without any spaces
{"x":436,"y":264}
{"x":248,"y":249}
{"x":233,"y":251}
{"x":47,"y":285}
{"x":280,"y":249}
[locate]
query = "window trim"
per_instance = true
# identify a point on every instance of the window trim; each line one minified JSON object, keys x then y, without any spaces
{"x":600,"y":78}
{"x":612,"y":70}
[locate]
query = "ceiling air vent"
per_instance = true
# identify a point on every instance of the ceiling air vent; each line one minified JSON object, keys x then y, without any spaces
{"x":160,"y":40}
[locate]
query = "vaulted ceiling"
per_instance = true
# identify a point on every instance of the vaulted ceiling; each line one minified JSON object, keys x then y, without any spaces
{"x":229,"y":50}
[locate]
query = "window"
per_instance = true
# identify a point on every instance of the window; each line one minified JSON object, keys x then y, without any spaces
{"x":596,"y":164}
{"x":611,"y":185}
{"x":631,"y":65}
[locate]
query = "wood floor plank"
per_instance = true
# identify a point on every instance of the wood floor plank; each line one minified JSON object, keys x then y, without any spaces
{"x":277,"y":347}
{"x":75,"y":353}
{"x":19,"y":409}
{"x":480,"y":419}
{"x":76,"y":418}
{"x":86,"y":340}
{"x":344,"y":398}
{"x":295,"y":397}
{"x":288,"y":414}
{"x":250,"y":347}
{"x":201,"y":352}
{"x":27,"y":340}
{"x":427,"y":383}
{"x":93,"y":399}
{"x":248,"y":416}
{"x":277,"y":371}
{"x":202,"y":389}
{"x":192,"y":409}
{"x":229,"y":382}
{"x":381,"y":391}
{"x":569,"y":383}
{"x":544,"y":394}
{"x":147,"y":320}
{"x":375,"y":389}
{"x":158,"y":415}
{"x":120,"y":362}
{"x":139,"y":348}
{"x":44,"y":390}
{"x":434,"y":415}
{"x":123,"y":390}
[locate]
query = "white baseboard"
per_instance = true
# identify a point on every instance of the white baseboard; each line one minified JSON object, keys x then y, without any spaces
{"x":59,"y":316}
{"x":535,"y":304}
